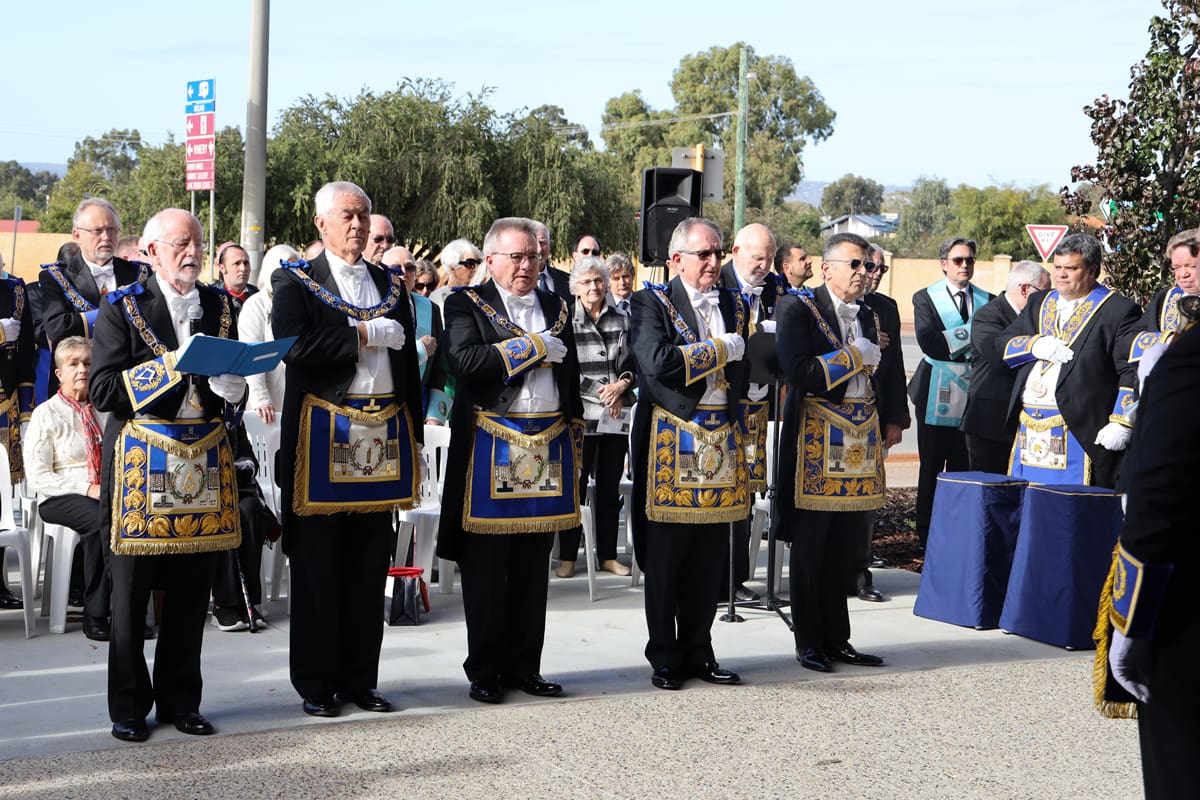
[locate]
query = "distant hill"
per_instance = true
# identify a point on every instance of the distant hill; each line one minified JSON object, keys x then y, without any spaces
{"x":810,"y":192}
{"x":37,"y":166}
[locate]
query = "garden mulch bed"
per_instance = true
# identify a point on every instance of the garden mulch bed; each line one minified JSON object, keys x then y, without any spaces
{"x":896,"y":531}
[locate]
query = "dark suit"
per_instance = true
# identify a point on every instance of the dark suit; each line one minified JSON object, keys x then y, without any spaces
{"x":1087,"y":384}
{"x":941,"y":448}
{"x":560,"y":283}
{"x":823,"y":542}
{"x":185,"y":578}
{"x":987,"y":422}
{"x":761,"y":311}
{"x":683,"y":562}
{"x":60,"y":316}
{"x":1160,"y":528}
{"x":504,"y":575}
{"x":339,"y":561}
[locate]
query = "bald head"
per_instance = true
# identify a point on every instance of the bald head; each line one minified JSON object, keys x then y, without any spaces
{"x":753,"y":253}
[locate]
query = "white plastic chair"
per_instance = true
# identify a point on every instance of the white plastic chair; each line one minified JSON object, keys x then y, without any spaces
{"x":27,"y":499}
{"x":274,"y":560}
{"x":60,"y":545}
{"x":18,"y":539}
{"x":423,"y":520}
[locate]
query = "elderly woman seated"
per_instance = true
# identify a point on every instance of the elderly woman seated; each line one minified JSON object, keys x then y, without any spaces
{"x":62,"y":464}
{"x":606,"y":378}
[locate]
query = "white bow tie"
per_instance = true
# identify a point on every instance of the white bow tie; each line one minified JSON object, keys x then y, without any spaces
{"x":754,"y":290}
{"x":703,"y":300}
{"x":521,"y":301}
{"x":180,"y":303}
{"x":103,"y":272}
{"x":847,"y":313}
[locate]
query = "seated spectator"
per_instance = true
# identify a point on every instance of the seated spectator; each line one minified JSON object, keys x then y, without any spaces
{"x":254,"y":325}
{"x":427,"y":280}
{"x":606,"y":378}
{"x":62,"y":464}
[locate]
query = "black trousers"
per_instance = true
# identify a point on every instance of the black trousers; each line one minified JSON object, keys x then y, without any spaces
{"x":1169,"y":725}
{"x":504,"y":582}
{"x":822,"y":561}
{"x":603,"y":459}
{"x":860,"y":559}
{"x":941,"y":449}
{"x":339,"y":565}
{"x":988,"y":455}
{"x":186,"y":581}
{"x":683,"y":569}
{"x":82,"y":514}
{"x":227,"y":584}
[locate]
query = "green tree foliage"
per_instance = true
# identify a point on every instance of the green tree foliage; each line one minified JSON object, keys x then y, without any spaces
{"x":924,"y":219}
{"x":99,"y":168}
{"x":21,"y":187}
{"x":1147,"y":154}
{"x":787,"y":112}
{"x":851,"y":194}
{"x":995,"y":217}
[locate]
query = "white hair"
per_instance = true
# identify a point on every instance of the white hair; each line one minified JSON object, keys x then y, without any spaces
{"x":584,"y":266}
{"x":325,"y":196}
{"x":271,"y":262}
{"x":90,"y":202}
{"x":1025,"y":272}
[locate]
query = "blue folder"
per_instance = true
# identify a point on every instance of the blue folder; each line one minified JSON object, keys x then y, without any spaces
{"x":212,"y":355}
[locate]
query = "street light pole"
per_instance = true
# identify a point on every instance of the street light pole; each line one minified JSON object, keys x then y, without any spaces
{"x":254,"y":183}
{"x":739,"y":176}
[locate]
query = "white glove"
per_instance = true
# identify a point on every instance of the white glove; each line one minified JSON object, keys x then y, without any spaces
{"x":735,"y":346}
{"x":556,"y":351}
{"x":767,"y":326}
{"x":228,"y":387}
{"x":12,"y":328}
{"x":869,"y":350}
{"x":384,"y":332}
{"x":1049,"y":348}
{"x":1114,"y":436}
{"x":1149,"y":359}
{"x":1119,"y":659}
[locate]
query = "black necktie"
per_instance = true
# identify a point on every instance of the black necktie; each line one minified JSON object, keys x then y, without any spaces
{"x":624,"y":305}
{"x":960,"y":297}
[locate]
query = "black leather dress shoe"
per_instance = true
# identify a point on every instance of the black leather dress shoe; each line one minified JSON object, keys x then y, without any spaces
{"x":194,"y":723}
{"x":9,"y":601}
{"x":321,"y":705}
{"x":712,"y":672}
{"x":535,"y":685}
{"x":666,"y":678}
{"x":848,"y":655}
{"x":131,"y":730}
{"x":814,"y":659}
{"x":487,"y":691}
{"x":97,"y":629}
{"x":369,"y":700}
{"x":870,"y":594}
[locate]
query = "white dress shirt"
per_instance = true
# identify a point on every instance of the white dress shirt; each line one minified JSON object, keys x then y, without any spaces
{"x":1047,"y":381}
{"x":539,"y":391}
{"x":709,"y":325}
{"x":373,"y":373}
{"x":179,"y":304}
{"x":103,"y":275}
{"x":859,"y":386}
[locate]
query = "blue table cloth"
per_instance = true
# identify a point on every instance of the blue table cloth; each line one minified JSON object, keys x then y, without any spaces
{"x":972,"y":534}
{"x":1064,"y":551}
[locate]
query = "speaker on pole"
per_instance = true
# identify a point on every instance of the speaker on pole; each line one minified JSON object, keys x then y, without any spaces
{"x":669,"y":196}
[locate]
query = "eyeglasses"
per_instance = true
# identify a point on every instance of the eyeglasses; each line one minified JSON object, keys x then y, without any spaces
{"x":855,"y":263}
{"x":705,"y":255}
{"x":184,"y":244}
{"x":883,"y":268}
{"x":421,"y":286}
{"x":380,"y":239}
{"x":109,"y":229}
{"x":467,"y":263}
{"x":960,"y":260}
{"x":532,"y":258}
{"x":589,"y":251}
{"x":590,"y":282}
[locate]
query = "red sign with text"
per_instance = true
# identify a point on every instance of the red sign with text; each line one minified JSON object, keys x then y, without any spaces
{"x":200,"y":125}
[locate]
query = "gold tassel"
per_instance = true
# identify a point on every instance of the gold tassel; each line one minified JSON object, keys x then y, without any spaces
{"x":525,"y":441}
{"x":1102,"y":636}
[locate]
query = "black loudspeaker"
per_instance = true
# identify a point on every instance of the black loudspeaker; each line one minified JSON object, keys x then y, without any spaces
{"x":669,"y":196}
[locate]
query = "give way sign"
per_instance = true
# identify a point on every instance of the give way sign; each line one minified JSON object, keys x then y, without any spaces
{"x":1046,"y":238}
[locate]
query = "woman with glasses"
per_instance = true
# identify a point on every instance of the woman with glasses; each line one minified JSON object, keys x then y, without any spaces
{"x":427,"y":278}
{"x":461,"y":262}
{"x":606,"y":379}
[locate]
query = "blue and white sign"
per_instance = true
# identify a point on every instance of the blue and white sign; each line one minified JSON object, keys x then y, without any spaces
{"x":201,"y":91}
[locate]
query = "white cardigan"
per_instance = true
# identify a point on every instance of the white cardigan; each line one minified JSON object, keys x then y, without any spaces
{"x":56,"y":450}
{"x":254,"y":325}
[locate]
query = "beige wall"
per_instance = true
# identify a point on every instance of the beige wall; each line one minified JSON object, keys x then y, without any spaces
{"x":910,"y":275}
{"x":33,"y":250}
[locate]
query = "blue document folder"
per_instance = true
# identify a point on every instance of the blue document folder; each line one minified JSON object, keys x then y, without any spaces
{"x":211,"y":355}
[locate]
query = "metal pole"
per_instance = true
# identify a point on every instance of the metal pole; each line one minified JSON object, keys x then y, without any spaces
{"x":254,"y":184}
{"x":739,"y":179}
{"x":212,"y":232}
{"x":16,"y":224}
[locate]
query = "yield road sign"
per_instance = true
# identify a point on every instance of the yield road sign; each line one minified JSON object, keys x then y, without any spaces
{"x":1046,"y":238}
